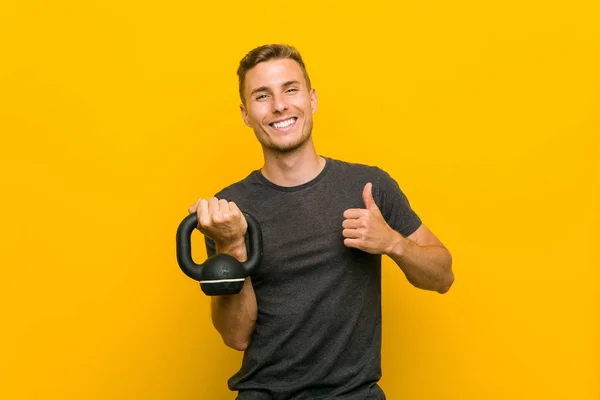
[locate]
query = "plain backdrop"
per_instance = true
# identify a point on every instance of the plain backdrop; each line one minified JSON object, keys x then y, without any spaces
{"x":115,"y":116}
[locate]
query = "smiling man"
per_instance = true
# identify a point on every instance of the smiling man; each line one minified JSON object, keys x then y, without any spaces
{"x":309,"y":319}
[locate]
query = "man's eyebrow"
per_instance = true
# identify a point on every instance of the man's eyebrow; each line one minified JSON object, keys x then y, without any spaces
{"x":290,"y":83}
{"x":265,"y":88}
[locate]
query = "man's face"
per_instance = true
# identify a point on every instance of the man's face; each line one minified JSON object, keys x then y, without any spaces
{"x":279,"y":106}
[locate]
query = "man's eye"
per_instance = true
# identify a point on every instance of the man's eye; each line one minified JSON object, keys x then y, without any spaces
{"x":295,"y":90}
{"x":260,"y":96}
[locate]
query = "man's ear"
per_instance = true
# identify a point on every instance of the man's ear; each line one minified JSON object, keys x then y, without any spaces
{"x":313,"y":100}
{"x":244,"y":115}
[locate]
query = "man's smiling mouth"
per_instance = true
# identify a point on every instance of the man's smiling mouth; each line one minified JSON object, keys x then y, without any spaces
{"x":283,"y":125}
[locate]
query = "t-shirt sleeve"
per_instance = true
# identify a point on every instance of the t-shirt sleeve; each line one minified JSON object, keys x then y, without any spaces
{"x":395,"y":207}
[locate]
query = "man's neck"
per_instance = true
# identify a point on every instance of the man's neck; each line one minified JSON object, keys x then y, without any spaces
{"x":294,"y":168}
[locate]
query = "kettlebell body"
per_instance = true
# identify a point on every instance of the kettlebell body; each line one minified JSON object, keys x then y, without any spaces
{"x":220,"y":274}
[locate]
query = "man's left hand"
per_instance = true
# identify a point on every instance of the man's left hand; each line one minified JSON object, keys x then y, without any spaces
{"x":366,"y":229}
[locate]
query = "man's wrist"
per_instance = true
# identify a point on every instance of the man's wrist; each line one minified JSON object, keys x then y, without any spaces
{"x":236,"y":248}
{"x":398,"y":245}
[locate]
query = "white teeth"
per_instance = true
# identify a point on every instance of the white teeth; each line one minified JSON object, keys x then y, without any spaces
{"x":284,"y":124}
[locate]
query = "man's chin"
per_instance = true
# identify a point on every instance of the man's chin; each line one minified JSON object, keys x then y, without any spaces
{"x":288,"y":147}
{"x":284,"y":149}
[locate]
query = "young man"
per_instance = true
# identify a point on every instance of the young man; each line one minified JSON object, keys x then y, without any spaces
{"x":309,"y":320}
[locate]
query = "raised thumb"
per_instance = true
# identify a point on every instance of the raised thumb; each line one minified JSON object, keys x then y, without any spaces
{"x":367,"y":196}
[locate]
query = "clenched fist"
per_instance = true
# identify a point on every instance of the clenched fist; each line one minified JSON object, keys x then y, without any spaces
{"x":220,"y":220}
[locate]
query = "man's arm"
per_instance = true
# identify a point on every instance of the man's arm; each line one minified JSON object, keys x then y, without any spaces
{"x":424,"y":260}
{"x":233,"y":316}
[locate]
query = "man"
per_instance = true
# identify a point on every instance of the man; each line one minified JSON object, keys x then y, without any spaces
{"x":309,"y":320}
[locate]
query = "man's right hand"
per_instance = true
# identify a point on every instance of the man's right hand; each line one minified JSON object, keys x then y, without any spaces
{"x":220,"y":220}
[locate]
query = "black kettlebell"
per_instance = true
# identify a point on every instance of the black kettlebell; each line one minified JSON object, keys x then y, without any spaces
{"x":220,"y":274}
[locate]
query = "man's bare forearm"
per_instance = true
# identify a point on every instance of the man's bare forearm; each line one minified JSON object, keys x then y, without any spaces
{"x":234,"y":316}
{"x":425,"y":267}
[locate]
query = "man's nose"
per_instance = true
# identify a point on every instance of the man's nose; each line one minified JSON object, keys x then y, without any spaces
{"x":279,"y":104}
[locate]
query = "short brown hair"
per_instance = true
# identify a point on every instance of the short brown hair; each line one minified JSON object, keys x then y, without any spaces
{"x":265,"y":53}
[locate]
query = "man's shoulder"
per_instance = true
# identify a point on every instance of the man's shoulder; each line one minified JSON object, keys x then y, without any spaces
{"x":239,"y":189}
{"x":357,"y":168}
{"x":358,"y":173}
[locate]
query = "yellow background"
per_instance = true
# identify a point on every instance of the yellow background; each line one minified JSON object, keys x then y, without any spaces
{"x":115,"y":116}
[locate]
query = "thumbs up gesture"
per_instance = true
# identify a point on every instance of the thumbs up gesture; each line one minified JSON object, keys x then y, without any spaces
{"x":366,"y":229}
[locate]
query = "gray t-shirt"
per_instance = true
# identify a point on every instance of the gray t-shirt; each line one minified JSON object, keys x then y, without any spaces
{"x":318,"y":329}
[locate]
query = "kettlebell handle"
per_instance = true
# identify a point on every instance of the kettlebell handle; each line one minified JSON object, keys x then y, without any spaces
{"x":184,"y":247}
